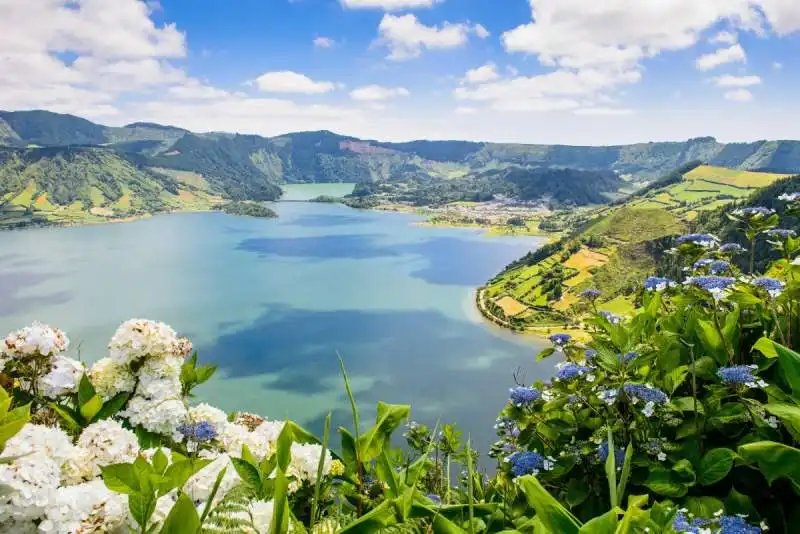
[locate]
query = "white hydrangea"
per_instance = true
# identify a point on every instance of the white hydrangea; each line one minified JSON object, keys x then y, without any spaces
{"x":163,"y":417}
{"x":63,"y":378}
{"x":89,"y":507}
{"x":269,"y":432}
{"x":100,"y":444}
{"x":305,"y":461}
{"x":210,"y":414}
{"x":33,"y":479}
{"x":199,"y":486}
{"x":261,"y":441}
{"x":162,"y":366}
{"x":262,"y":512}
{"x":148,"y":454}
{"x":137,"y":338}
{"x":111,"y":378}
{"x":26,"y":526}
{"x":37,"y":338}
{"x":52,"y":443}
{"x":158,"y":389}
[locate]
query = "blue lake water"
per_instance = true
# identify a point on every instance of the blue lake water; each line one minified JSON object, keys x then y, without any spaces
{"x":272,"y":302}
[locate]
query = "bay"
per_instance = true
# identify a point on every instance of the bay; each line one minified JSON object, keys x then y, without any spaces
{"x":272,"y":303}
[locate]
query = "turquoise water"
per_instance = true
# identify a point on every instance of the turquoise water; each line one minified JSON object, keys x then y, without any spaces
{"x":273,"y":301}
{"x":309,"y":191}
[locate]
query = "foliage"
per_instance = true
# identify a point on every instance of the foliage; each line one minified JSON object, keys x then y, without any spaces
{"x":249,"y":209}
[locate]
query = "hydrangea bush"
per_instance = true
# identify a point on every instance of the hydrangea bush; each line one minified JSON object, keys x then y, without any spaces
{"x":683,"y":418}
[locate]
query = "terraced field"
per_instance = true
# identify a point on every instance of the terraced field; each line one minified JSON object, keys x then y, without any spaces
{"x":611,"y":251}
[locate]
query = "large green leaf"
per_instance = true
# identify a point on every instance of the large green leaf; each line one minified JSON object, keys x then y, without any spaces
{"x":667,"y":482}
{"x":121,"y":478}
{"x":378,"y":518}
{"x":766,"y":347}
{"x":13,"y":422}
{"x":775,"y":460}
{"x":604,"y":524}
{"x":789,"y":414}
{"x":141,"y":506}
{"x":247,"y":472}
{"x":790,"y":363}
{"x":715,"y":465}
{"x":711,"y":341}
{"x":183,"y":518}
{"x":703,"y":506}
{"x":675,"y":378}
{"x":112,"y":406}
{"x":390,"y":416}
{"x":551,"y":513}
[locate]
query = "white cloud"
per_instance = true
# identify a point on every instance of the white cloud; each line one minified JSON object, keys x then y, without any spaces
{"x":465,"y":110}
{"x":194,"y":90}
{"x":736,"y":81}
{"x":739,"y":95}
{"x":482,"y":74}
{"x":603,"y":111}
{"x":481,"y":31}
{"x":724,"y":37}
{"x":389,"y":5}
{"x":406,"y":36}
{"x":777,"y":65}
{"x":377,"y":93}
{"x":324,"y":42}
{"x":291,"y":82}
{"x":722,"y":56}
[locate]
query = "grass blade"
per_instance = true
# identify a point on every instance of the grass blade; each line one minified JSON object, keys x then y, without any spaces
{"x":326,"y":435}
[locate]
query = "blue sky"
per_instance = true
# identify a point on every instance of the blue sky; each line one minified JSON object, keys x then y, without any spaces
{"x":540,"y":71}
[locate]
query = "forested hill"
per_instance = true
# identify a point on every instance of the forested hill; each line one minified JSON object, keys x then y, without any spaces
{"x":328,"y":157}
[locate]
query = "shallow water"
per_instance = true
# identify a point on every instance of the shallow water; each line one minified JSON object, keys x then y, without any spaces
{"x":272,"y":302}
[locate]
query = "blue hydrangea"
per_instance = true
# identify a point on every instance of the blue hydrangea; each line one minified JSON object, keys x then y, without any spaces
{"x":682,"y":525}
{"x":731,"y":248}
{"x":703,"y":240}
{"x":770,"y":285}
{"x":716,"y":285}
{"x":435,"y":498}
{"x":198,"y":432}
{"x":523,"y":396}
{"x":619,"y":454}
{"x":740,"y":375}
{"x":705,"y":262}
{"x":780,"y":233}
{"x":590,"y":354}
{"x":719,"y":267}
{"x":560,"y":340}
{"x":570,"y":371}
{"x":753,"y":212}
{"x":735,"y":524}
{"x":590,"y":294}
{"x":657,"y":283}
{"x":628,"y":357}
{"x":526,"y":463}
{"x":610,"y":317}
{"x":645,"y":393}
{"x":789,"y":197}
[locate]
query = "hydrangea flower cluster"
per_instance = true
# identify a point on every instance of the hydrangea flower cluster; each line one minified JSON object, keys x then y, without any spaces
{"x":702,"y":240}
{"x":198,"y":432}
{"x":524,"y":396}
{"x":771,"y":285}
{"x":719,"y":524}
{"x":568,"y":371}
{"x":610,"y":317}
{"x":657,"y":283}
{"x":716,"y":285}
{"x":560,"y":340}
{"x":628,"y":357}
{"x":719,"y":267}
{"x":608,"y":395}
{"x":753,"y":212}
{"x":705,"y":262}
{"x":529,"y":463}
{"x":780,"y":233}
{"x":741,"y":375}
{"x":619,"y":454}
{"x":789,"y":197}
{"x":590,"y":294}
{"x":648,"y":394}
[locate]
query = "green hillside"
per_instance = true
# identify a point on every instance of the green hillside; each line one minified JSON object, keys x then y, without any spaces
{"x":613,"y":248}
{"x":84,"y":185}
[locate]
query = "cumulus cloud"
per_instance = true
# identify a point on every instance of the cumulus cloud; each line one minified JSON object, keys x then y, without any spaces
{"x":739,"y":95}
{"x":377,"y":93}
{"x":406,"y":36}
{"x":286,"y":81}
{"x":724,"y":37}
{"x":465,"y":110}
{"x":324,"y":42}
{"x":603,"y":111}
{"x":736,"y":81}
{"x":482,"y":74}
{"x":722,"y":56}
{"x":389,"y":5}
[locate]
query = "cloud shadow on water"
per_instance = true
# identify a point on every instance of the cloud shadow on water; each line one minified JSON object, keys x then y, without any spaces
{"x":417,"y":357}
{"x":13,"y":282}
{"x":324,"y":220}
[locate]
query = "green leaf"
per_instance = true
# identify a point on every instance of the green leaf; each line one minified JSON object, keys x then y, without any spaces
{"x":675,"y":378}
{"x":112,"y":406}
{"x":789,"y":415}
{"x":284,"y":448}
{"x":212,"y":496}
{"x":577,"y":492}
{"x":775,"y":460}
{"x":390,"y":416}
{"x":85,"y":391}
{"x":121,"y":478}
{"x":385,"y":472}
{"x":552,"y":515}
{"x":13,"y":423}
{"x":738,"y":503}
{"x":731,"y":413}
{"x":326,"y":436}
{"x":715,"y":465}
{"x":705,"y":367}
{"x":183,"y":518}
{"x":349,"y":456}
{"x":711,"y":341}
{"x":141,"y":507}
{"x":790,"y":363}
{"x":91,"y":407}
{"x":247,"y":473}
{"x":766,"y":347}
{"x":180,"y":471}
{"x":703,"y":506}
{"x":667,"y":482}
{"x":248,"y":456}
{"x":687,"y":404}
{"x":626,"y":473}
{"x":375,"y":520}
{"x":204,"y":373}
{"x":5,"y":403}
{"x":604,"y":524}
{"x":546,"y":353}
{"x":280,"y":516}
{"x":611,"y":470}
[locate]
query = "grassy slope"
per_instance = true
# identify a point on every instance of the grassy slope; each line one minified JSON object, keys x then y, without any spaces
{"x":72,"y":186}
{"x":544,"y":292}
